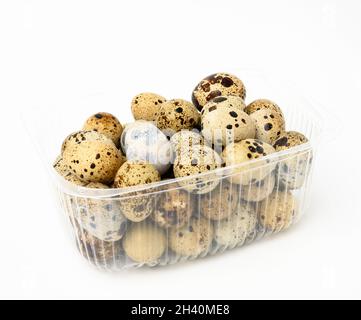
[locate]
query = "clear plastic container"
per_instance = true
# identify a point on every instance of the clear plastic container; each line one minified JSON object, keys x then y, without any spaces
{"x":184,"y":226}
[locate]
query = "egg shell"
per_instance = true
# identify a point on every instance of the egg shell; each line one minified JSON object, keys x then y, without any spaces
{"x":293,"y":171}
{"x":237,"y":228}
{"x":201,"y":159}
{"x":259,"y":190}
{"x":136,"y":206}
{"x":144,"y":243}
{"x":277,"y":212}
{"x":102,"y":218}
{"x":145,"y":106}
{"x":215,"y":85}
{"x":106,"y":124}
{"x":63,"y":170}
{"x":229,"y":101}
{"x":141,"y":132}
{"x":143,"y":141}
{"x":193,"y":239}
{"x":224,"y":122}
{"x":136,"y":173}
{"x":77,"y":137}
{"x":269,"y":125}
{"x":60,"y":166}
{"x":243,"y":152}
{"x":184,"y":140}
{"x":221,"y":202}
{"x":95,"y":160}
{"x":173,"y":208}
{"x":103,"y":253}
{"x":176,"y":115}
{"x":263,"y":104}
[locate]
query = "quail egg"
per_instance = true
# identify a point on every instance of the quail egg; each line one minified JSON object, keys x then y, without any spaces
{"x":259,"y":190}
{"x":184,"y":140}
{"x":143,"y":141}
{"x":262,"y":104}
{"x":136,"y":206}
{"x":176,"y":115}
{"x":215,"y":85}
{"x":145,"y":106}
{"x":243,"y":152}
{"x":224,"y":122}
{"x":278,"y":211}
{"x":77,"y":137}
{"x":144,"y":243}
{"x":237,"y":227}
{"x":100,"y":253}
{"x":221,"y":202}
{"x":93,"y":160}
{"x":201,"y":159}
{"x":102,"y":218}
{"x":63,"y":170}
{"x":269,"y":125}
{"x":193,"y":239}
{"x":173,"y":208}
{"x":294,"y":169}
{"x":106,"y":124}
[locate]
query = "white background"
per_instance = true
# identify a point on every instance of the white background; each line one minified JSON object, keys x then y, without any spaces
{"x":52,"y":52}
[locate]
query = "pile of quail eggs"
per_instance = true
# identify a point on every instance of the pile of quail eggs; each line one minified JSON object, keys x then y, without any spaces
{"x":211,"y":201}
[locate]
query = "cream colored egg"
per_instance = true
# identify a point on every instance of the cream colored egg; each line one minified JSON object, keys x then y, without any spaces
{"x":136,"y":206}
{"x":192,"y":239}
{"x":201,"y":159}
{"x":240,"y":225}
{"x":242,"y":153}
{"x":145,"y":106}
{"x":176,"y":115}
{"x":93,"y":160}
{"x":144,"y":243}
{"x":106,"y":124}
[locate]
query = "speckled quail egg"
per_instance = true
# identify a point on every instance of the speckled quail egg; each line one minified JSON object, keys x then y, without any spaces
{"x":224,"y":122}
{"x":145,"y":106}
{"x":221,"y":202}
{"x":259,"y":190}
{"x":102,"y":218}
{"x":184,"y":140}
{"x":142,"y":140}
{"x":63,"y":170}
{"x":294,"y":169}
{"x":215,"y":85}
{"x":229,"y":101}
{"x":176,"y":115}
{"x":136,"y":206}
{"x":60,"y":166}
{"x":100,"y":253}
{"x":77,"y":137}
{"x":106,"y":124}
{"x":277,"y":212}
{"x":93,"y":160}
{"x":144,"y":243}
{"x":243,"y":152}
{"x":262,"y":104}
{"x":173,"y":208}
{"x":237,"y":228}
{"x":269,"y":125}
{"x":201,"y":159}
{"x":193,"y":239}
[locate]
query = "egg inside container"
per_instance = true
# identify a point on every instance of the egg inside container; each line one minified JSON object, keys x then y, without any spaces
{"x":101,"y":218}
{"x":142,"y":140}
